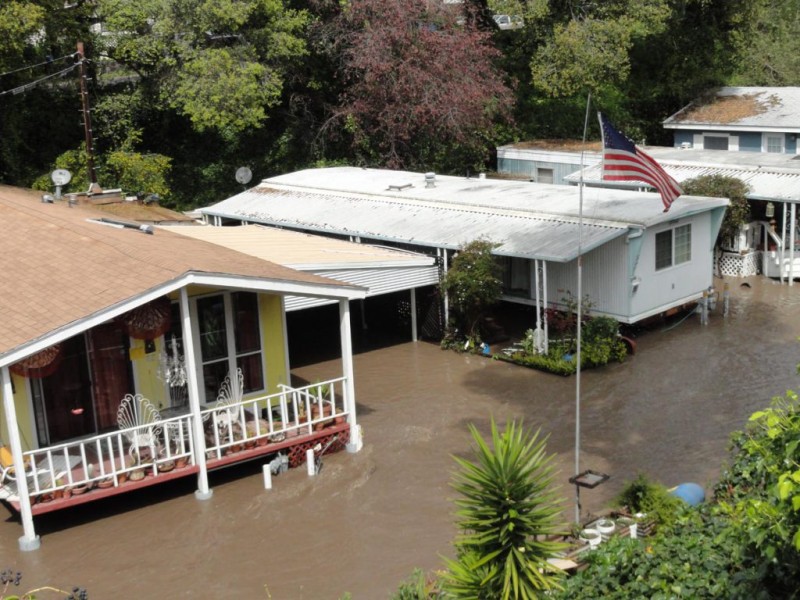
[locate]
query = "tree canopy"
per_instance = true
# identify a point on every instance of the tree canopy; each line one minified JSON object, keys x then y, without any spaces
{"x":279,"y":85}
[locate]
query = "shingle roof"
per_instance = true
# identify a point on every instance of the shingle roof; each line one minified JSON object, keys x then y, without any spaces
{"x":60,"y":266}
{"x":741,"y":108}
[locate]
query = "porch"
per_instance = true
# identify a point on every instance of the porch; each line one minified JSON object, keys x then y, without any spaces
{"x":282,"y":425}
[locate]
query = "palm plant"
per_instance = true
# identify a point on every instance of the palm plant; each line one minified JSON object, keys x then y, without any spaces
{"x":506,"y":511}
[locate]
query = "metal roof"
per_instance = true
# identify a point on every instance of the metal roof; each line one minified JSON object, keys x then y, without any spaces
{"x":302,"y":251}
{"x":776,"y":108}
{"x":380,"y":270}
{"x":525,"y":219}
{"x":770,"y":176}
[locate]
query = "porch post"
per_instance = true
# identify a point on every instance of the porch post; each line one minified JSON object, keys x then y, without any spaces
{"x":347,"y":371}
{"x":202,"y":492}
{"x":413,"y":314}
{"x":446,"y":298}
{"x":544,"y":309}
{"x":29,"y":540}
{"x":792,"y":226}
{"x":538,"y":304}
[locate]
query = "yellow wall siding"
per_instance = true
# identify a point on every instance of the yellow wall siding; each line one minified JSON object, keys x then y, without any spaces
{"x":144,"y":367}
{"x":144,"y":372}
{"x":272,"y":335}
{"x":22,"y":405}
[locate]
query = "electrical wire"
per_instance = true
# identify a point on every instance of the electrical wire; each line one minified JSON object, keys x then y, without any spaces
{"x":32,"y":84}
{"x":47,"y":62}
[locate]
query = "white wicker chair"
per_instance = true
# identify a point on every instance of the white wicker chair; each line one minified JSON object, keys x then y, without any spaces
{"x":142,"y":424}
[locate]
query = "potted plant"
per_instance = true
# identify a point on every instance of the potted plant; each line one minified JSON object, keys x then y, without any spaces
{"x":135,"y":460}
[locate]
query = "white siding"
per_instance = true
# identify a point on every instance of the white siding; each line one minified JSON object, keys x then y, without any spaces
{"x":670,"y":287}
{"x":605,"y":280}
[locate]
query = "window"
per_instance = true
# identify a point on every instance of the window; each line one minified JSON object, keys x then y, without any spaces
{"x":715,"y":142}
{"x":230,"y":338}
{"x":544,"y":175}
{"x":673,"y":247}
{"x":773,"y":143}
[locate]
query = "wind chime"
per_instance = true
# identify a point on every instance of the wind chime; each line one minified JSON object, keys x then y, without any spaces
{"x":172,"y":371}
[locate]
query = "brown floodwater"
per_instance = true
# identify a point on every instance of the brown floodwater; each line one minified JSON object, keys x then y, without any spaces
{"x":367,"y":519}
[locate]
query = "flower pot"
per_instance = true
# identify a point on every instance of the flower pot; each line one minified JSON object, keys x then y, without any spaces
{"x":624,"y":522}
{"x":166,"y":466}
{"x":77,"y":490}
{"x":181,"y":462}
{"x":591,"y":537}
{"x":137,"y":475}
{"x":605,"y":526}
{"x":106,"y":483}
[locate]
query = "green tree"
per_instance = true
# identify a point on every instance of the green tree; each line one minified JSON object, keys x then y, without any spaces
{"x":760,"y":493}
{"x":722,"y":186}
{"x":219,"y":63}
{"x":472,"y":284}
{"x":506,"y":510}
{"x":770,"y":53}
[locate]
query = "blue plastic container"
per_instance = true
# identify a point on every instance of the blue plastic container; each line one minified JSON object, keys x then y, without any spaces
{"x":691,"y":493}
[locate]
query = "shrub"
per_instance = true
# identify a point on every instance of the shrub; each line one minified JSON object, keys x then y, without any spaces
{"x":645,"y":496}
{"x":505,"y":512}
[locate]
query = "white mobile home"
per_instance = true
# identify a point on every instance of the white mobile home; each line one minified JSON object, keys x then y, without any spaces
{"x":637,"y":260}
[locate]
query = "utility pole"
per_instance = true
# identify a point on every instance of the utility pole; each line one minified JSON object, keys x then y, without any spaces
{"x":94,"y":188}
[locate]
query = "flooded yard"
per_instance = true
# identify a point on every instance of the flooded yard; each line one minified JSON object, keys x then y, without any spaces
{"x":367,"y":519}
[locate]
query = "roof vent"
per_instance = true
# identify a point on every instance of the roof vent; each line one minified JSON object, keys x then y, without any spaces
{"x":430,"y":180}
{"x":400,"y":188}
{"x":120,"y":224}
{"x":686,"y":145}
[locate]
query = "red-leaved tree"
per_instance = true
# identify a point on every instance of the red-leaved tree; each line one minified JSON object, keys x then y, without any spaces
{"x":422,"y":88}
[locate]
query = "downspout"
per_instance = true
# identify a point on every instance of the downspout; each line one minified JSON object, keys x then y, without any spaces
{"x":203,"y":492}
{"x":356,"y":442}
{"x":29,"y":540}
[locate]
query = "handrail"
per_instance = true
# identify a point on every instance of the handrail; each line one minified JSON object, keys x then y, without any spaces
{"x":274,"y":417}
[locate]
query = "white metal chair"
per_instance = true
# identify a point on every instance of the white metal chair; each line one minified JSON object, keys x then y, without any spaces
{"x":141,"y":424}
{"x":227,"y":408}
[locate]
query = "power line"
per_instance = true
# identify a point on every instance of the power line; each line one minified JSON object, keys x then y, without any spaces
{"x":47,"y":62}
{"x":32,"y":84}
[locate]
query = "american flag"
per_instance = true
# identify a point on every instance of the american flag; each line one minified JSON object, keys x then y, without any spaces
{"x":623,"y":161}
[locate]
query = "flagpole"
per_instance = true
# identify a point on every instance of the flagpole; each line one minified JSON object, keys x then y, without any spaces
{"x":578,"y":326}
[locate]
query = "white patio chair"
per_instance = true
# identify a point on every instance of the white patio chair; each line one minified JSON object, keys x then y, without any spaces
{"x":141,"y":424}
{"x":227,"y":408}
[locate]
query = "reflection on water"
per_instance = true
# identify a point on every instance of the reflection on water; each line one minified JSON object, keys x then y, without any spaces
{"x":366,"y":520}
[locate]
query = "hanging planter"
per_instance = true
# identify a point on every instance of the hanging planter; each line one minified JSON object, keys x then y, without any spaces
{"x":41,"y":364}
{"x":149,"y":321}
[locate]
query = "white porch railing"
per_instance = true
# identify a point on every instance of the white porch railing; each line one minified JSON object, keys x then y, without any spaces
{"x":105,"y":460}
{"x":286,"y":414}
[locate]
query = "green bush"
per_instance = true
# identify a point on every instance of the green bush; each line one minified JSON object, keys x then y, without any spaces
{"x":644,"y":496}
{"x":557,"y":366}
{"x":419,"y":586}
{"x":694,"y":558}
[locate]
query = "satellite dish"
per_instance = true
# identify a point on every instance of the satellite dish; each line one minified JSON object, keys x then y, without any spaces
{"x":244,"y":175}
{"x":61,"y":176}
